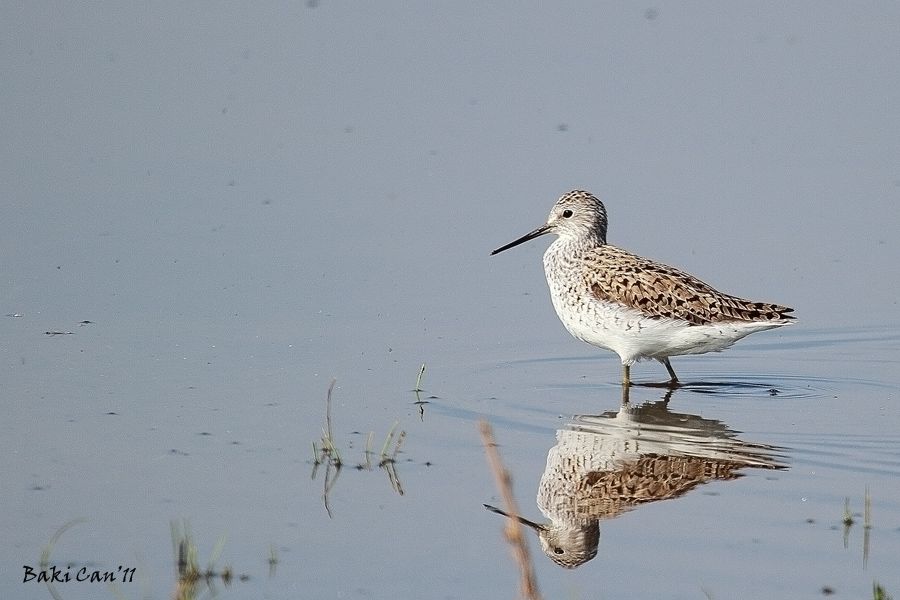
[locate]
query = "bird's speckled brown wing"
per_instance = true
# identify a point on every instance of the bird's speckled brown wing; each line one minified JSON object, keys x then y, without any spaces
{"x":665,"y":292}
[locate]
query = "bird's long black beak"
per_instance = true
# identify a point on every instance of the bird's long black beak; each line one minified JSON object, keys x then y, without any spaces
{"x":528,"y":236}
{"x":522,"y":520}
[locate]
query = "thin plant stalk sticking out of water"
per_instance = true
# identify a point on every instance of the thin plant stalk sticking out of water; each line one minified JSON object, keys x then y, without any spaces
{"x":419,"y":379}
{"x":273,"y":560}
{"x":187,"y":564}
{"x":418,"y":391}
{"x":514,"y":530}
{"x":327,"y":452}
{"x":867,"y":526}
{"x":879,"y":593}
{"x":867,"y":510}
{"x":328,"y":447}
{"x":48,"y":549}
{"x":385,"y":459}
{"x":388,"y":463}
{"x":848,"y":522}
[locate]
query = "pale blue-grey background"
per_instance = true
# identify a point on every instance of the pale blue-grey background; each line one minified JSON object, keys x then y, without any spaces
{"x":247,"y":199}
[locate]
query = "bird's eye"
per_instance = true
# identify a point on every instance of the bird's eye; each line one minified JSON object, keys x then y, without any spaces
{"x":560,"y":550}
{"x":567,"y":213}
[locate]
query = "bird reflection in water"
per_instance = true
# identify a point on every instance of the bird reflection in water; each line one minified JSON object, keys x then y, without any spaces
{"x":604,"y":465}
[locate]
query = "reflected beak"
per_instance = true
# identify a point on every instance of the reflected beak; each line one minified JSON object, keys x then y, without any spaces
{"x":536,"y":526}
{"x":528,"y":236}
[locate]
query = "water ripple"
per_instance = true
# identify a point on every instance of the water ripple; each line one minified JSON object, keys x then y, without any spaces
{"x":777,"y":386}
{"x":860,"y":453}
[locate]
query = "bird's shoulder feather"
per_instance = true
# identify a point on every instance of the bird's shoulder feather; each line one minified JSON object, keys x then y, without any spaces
{"x":662,"y":291}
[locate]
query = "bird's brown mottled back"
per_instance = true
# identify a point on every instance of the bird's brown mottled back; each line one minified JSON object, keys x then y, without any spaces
{"x":662,"y":291}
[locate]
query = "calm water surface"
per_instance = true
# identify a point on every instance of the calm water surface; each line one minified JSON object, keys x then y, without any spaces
{"x":734,"y":484}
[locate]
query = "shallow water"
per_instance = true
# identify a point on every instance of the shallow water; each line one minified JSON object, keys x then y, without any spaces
{"x":714,"y":487}
{"x":208,"y":216}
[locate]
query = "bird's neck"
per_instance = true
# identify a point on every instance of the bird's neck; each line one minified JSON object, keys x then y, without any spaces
{"x":579,"y":244}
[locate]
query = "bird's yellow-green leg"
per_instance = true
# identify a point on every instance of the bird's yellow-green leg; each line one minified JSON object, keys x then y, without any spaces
{"x":674,"y":377}
{"x":626,"y":375}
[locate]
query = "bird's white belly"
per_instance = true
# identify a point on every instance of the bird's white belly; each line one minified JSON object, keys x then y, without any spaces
{"x":634,"y":336}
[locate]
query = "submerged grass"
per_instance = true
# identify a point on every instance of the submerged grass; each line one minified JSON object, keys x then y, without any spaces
{"x":48,"y":550}
{"x":329,"y":449}
{"x":867,"y":510}
{"x":878,"y":592}
{"x":193,"y":579}
{"x":848,"y":520}
{"x":385,"y":458}
{"x":326,"y":452}
{"x":273,"y":560}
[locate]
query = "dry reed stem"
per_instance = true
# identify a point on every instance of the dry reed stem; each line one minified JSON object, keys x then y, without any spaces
{"x":514,"y":530}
